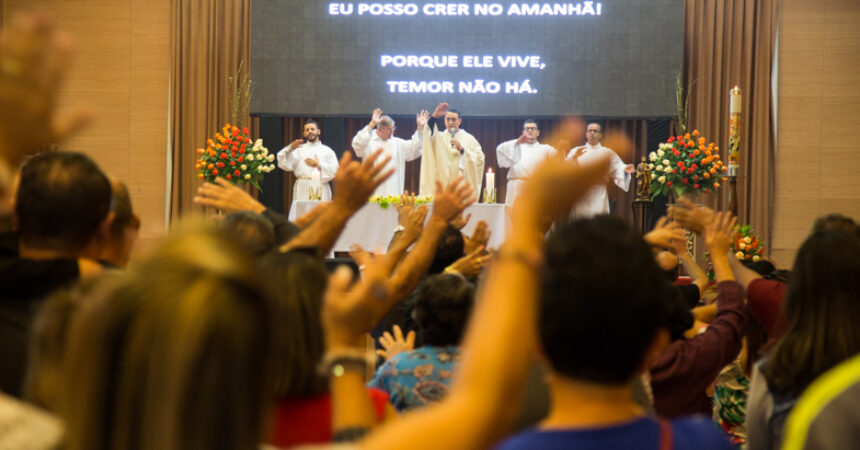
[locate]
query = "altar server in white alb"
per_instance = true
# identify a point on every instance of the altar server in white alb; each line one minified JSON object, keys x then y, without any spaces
{"x":309,"y":159}
{"x":522,"y":156}
{"x":379,"y":133}
{"x":596,"y":202}
{"x":450,"y":152}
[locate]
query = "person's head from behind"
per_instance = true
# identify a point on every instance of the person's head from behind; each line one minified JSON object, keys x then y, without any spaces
{"x":762,"y":267}
{"x":175,"y":357}
{"x":603,"y":302}
{"x":668,"y":263}
{"x":450,"y":248}
{"x":821,"y":307}
{"x":835,"y":222}
{"x":442,"y":307}
{"x":253,"y":231}
{"x":124,"y":227}
{"x":297,"y":282}
{"x":62,"y":204}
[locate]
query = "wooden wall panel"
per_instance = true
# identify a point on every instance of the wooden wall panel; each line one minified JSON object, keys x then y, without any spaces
{"x":818,"y":170}
{"x":121,"y":70}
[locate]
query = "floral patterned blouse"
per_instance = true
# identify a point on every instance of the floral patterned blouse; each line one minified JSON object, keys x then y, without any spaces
{"x":417,"y":378}
{"x":730,"y":402}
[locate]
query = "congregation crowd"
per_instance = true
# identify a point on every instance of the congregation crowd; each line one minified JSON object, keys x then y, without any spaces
{"x":238,"y":333}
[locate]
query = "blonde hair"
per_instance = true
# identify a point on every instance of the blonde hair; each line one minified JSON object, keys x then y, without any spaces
{"x":177,"y":357}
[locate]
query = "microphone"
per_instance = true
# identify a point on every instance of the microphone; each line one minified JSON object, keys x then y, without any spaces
{"x":452,"y":131}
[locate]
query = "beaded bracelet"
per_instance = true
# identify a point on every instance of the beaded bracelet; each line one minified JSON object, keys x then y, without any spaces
{"x":338,"y":363}
{"x":349,"y":434}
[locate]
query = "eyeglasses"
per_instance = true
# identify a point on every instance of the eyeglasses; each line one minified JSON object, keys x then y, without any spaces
{"x":530,"y":128}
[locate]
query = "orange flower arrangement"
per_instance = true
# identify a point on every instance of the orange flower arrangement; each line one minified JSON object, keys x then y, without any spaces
{"x":746,"y":246}
{"x":685,"y":164}
{"x":233,"y":156}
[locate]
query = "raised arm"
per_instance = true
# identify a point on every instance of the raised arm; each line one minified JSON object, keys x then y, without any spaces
{"x":36,"y":60}
{"x":479,"y":238}
{"x":508,"y":153}
{"x":501,"y":337}
{"x":666,"y":234}
{"x":470,"y":265}
{"x":227,"y":197}
{"x":691,"y":215}
{"x":362,"y":138}
{"x":447,"y":204}
{"x":354,"y":183}
{"x":743,"y":274}
{"x":699,"y":359}
{"x":412,"y":219}
{"x":697,"y":274}
{"x":309,"y":217}
{"x":412,"y":148}
{"x":288,"y":159}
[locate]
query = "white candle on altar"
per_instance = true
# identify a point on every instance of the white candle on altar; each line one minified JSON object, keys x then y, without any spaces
{"x":735,"y":103}
{"x":491,"y":181}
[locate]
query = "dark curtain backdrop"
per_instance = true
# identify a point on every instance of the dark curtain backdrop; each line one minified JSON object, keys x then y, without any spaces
{"x":726,"y":43}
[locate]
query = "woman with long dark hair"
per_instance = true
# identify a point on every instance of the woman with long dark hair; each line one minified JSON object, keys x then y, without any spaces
{"x":822,"y":307}
{"x":302,"y":414}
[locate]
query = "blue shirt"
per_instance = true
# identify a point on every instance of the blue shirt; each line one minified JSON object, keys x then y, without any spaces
{"x":694,"y":433}
{"x":418,"y":377}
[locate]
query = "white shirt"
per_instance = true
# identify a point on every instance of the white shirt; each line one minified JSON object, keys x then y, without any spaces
{"x":368,"y":141}
{"x":294,"y":161}
{"x":521,"y":160}
{"x":596,"y":201}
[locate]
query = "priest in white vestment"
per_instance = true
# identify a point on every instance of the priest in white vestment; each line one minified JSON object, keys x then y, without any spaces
{"x":449,"y":153}
{"x":522,"y":156}
{"x":304,"y":157}
{"x":596,"y":201}
{"x":379,"y":134}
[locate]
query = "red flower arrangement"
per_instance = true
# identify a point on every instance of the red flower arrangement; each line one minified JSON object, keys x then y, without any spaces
{"x":746,"y":246}
{"x":233,"y":156}
{"x":684,"y":164}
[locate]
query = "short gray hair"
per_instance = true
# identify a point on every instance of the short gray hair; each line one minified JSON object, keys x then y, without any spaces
{"x":386,"y":121}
